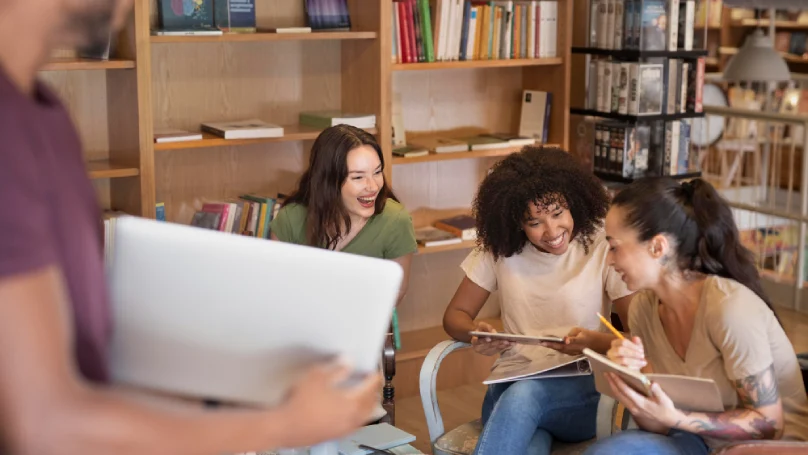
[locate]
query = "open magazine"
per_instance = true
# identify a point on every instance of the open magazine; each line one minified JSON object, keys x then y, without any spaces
{"x":547,"y":364}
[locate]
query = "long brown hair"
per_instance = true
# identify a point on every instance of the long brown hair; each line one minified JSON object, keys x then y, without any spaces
{"x":320,"y":187}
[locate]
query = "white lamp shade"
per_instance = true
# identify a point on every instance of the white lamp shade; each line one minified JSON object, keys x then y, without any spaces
{"x":757,"y":61}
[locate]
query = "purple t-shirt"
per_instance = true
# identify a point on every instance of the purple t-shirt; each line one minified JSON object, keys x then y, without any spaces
{"x":50,"y":216}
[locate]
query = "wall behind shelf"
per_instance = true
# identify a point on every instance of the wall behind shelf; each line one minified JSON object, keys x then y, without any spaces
{"x":444,"y":100}
{"x":84,"y":95}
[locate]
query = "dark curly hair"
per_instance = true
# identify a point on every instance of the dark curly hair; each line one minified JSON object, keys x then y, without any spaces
{"x":545,"y":176}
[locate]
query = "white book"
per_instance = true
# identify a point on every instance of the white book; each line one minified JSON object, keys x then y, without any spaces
{"x":625,"y":77}
{"x":301,"y":29}
{"x":603,"y":19}
{"x":592,"y":86}
{"x":615,"y":101}
{"x":594,"y":23}
{"x":553,"y":50}
{"x":210,"y":32}
{"x":607,"y":86}
{"x":618,"y":24}
{"x":601,"y":89}
{"x":456,"y":29}
{"x":472,"y":34}
{"x":610,"y":24}
{"x":633,"y":88}
{"x":531,"y":30}
{"x":673,"y":25}
{"x":689,"y":11}
{"x":445,"y":10}
{"x":163,"y":135}
{"x":243,"y":129}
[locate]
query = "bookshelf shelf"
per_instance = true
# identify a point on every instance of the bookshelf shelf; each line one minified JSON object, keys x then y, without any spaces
{"x":432,"y":157}
{"x":633,"y":54}
{"x":636,"y":118}
{"x":265,"y":36}
{"x":103,"y":169}
{"x":465,"y":245}
{"x":790,"y":25}
{"x":291,"y":133}
{"x":618,"y":179}
{"x":77,"y":64}
{"x":466,"y":64}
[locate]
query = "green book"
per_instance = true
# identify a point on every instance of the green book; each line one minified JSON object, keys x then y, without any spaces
{"x":328,"y":118}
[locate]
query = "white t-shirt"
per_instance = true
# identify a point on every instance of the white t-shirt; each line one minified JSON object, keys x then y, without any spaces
{"x":547,"y":294}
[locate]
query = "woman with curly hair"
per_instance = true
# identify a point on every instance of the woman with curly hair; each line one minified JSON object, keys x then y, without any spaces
{"x":541,"y":244}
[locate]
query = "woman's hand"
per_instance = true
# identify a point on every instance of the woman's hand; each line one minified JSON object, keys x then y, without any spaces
{"x":575,"y":342}
{"x":655,"y":413}
{"x":630,"y":354}
{"x":487,"y":346}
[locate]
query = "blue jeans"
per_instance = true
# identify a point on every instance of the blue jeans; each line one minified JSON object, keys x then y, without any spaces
{"x":524,"y":417}
{"x":639,"y":442}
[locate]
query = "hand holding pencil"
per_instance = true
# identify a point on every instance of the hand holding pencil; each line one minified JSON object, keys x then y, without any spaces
{"x":629,"y":353}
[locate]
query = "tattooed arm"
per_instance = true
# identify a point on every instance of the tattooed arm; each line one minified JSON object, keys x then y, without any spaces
{"x":760,"y":417}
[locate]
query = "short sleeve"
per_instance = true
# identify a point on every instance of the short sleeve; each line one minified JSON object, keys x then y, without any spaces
{"x":737,"y":325}
{"x":479,"y":267}
{"x":401,"y":237}
{"x":281,"y":225}
{"x":26,"y":241}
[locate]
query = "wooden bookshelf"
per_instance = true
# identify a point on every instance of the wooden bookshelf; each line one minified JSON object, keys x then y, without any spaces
{"x":467,"y":64}
{"x":81,"y":64}
{"x":291,"y":133}
{"x":265,"y":36}
{"x":166,"y":82}
{"x":784,"y":25}
{"x":106,"y":170}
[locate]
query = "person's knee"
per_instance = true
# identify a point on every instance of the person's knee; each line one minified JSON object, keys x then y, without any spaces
{"x":622,"y":442}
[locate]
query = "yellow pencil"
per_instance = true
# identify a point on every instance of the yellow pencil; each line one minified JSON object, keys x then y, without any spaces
{"x":611,"y":327}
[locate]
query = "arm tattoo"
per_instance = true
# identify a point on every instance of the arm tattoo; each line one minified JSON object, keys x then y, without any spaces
{"x":759,"y":389}
{"x":754,"y":392}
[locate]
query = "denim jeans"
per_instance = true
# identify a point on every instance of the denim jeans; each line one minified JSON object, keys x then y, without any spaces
{"x":524,"y":417}
{"x":639,"y":442}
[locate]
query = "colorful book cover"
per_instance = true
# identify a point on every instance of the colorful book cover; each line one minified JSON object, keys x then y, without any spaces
{"x":186,"y":14}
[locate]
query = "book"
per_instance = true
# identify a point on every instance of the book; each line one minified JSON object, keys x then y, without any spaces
{"x":331,"y":15}
{"x":328,"y":118}
{"x":483,"y":142}
{"x":534,"y":119}
{"x":409,"y":151}
{"x":463,"y":226}
{"x":431,"y":236}
{"x":186,"y":15}
{"x":688,"y":393}
{"x":553,"y":365}
{"x":379,"y":436}
{"x":514,"y":140}
{"x":162,"y":135}
{"x":243,"y":129}
{"x":440,"y":144}
{"x":235,"y":16}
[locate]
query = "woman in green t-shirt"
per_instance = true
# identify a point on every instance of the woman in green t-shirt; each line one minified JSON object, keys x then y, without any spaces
{"x":343,"y":203}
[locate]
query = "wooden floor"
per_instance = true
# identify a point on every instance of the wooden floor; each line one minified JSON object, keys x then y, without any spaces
{"x":462,"y":404}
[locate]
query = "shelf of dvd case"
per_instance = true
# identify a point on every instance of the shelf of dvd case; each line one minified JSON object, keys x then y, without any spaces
{"x":606,"y":177}
{"x":636,"y":118}
{"x":636,"y":54}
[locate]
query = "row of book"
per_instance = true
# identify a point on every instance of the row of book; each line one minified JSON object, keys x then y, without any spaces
{"x":447,"y":231}
{"x":215,"y":17}
{"x":630,"y":150}
{"x":649,"y":25}
{"x":249,"y":214}
{"x":473,"y":30}
{"x":256,"y":129}
{"x":632,"y":88}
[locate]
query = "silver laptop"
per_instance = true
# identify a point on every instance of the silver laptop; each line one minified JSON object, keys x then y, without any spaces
{"x":203,"y":314}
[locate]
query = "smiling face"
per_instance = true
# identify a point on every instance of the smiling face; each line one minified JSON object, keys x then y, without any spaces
{"x":549,"y":228}
{"x":365,"y":180}
{"x":636,"y":261}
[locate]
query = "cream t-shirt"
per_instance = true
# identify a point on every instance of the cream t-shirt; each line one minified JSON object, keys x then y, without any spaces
{"x":547,"y":294}
{"x":735,"y":335}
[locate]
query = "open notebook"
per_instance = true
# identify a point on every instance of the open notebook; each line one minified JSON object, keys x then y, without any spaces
{"x":553,"y":365}
{"x":688,"y":393}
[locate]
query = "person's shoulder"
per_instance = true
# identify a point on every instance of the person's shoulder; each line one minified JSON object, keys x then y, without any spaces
{"x":394,"y":209}
{"x":293,"y":210}
{"x":725,"y":297}
{"x":394,"y":213}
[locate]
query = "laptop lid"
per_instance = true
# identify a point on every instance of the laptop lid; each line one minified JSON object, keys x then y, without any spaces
{"x":204,"y":314}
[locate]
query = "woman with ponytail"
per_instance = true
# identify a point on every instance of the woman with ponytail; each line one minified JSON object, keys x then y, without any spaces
{"x":700,"y":311}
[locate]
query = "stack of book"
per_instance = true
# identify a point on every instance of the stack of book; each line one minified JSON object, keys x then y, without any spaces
{"x":249,"y":214}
